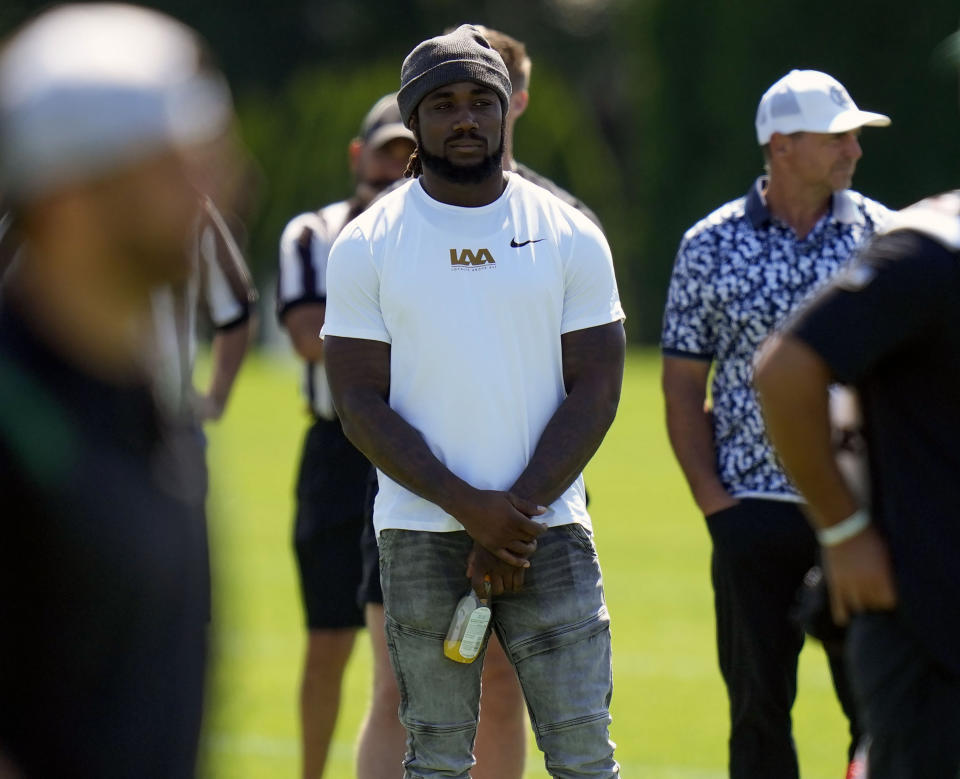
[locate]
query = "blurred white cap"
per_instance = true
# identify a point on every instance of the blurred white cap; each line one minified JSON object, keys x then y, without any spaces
{"x":87,"y":89}
{"x":810,"y":101}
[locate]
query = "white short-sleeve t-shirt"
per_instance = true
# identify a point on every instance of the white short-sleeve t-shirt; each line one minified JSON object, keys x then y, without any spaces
{"x":473,"y":302}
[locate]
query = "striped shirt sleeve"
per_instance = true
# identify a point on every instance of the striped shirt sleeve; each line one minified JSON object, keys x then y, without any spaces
{"x":228,"y":289}
{"x":304,"y":249}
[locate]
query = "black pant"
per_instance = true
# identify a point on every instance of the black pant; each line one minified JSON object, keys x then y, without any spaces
{"x":910,"y":705}
{"x":761,"y":551}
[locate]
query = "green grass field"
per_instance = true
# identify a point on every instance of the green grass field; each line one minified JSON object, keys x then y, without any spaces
{"x":669,"y":707}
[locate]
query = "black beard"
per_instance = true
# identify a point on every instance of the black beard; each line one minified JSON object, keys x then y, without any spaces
{"x":461,"y":174}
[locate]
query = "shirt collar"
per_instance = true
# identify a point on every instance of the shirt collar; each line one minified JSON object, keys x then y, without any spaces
{"x":756,"y":206}
{"x":846,"y":209}
{"x":843,"y":206}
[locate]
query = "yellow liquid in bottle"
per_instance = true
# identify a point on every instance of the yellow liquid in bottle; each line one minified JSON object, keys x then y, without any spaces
{"x":451,"y":649}
{"x":467,"y":630}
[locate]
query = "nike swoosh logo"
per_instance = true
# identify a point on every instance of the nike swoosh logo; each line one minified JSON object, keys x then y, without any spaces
{"x":515,"y":245}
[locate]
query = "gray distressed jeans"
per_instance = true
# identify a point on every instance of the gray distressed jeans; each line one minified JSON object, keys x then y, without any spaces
{"x":556,"y":632}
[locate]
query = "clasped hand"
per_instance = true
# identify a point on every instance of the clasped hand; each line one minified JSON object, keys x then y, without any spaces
{"x":505,"y":534}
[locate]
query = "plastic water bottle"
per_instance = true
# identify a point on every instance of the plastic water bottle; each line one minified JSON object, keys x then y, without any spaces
{"x":468,"y":627}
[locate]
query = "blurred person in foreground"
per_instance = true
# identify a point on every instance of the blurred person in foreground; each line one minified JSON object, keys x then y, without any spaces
{"x":332,"y":481}
{"x":474,"y":347}
{"x":739,"y":273}
{"x":890,"y":327}
{"x":218,"y":290}
{"x":109,"y":125}
{"x":502,"y":730}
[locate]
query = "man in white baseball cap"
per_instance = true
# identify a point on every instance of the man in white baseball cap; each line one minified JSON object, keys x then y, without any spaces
{"x":810,"y":101}
{"x":739,"y":274}
{"x":107,"y":120}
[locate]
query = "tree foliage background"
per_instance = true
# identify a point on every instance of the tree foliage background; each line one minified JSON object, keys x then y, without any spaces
{"x":643,"y":108}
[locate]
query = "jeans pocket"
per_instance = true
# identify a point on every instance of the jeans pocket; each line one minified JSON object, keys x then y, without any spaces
{"x":385,"y":545}
{"x":582,"y":537}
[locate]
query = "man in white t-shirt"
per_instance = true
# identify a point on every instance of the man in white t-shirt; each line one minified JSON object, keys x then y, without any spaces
{"x":474,"y":346}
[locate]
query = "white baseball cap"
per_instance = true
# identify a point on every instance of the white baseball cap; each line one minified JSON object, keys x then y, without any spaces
{"x":810,"y":101}
{"x":86,"y":89}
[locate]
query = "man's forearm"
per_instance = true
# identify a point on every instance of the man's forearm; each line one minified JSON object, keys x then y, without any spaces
{"x":359,"y":375}
{"x":593,"y":375}
{"x":229,"y":349}
{"x":399,"y":450}
{"x":690,"y":430}
{"x":570,"y":439}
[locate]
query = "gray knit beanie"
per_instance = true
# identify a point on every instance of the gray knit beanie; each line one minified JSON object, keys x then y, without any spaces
{"x":463,"y":55}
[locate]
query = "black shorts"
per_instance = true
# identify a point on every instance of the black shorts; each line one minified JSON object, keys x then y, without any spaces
{"x":331,"y":491}
{"x":369,"y":591}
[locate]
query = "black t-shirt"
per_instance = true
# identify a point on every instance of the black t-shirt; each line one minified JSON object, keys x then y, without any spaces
{"x":890,"y":326}
{"x":103,"y":595}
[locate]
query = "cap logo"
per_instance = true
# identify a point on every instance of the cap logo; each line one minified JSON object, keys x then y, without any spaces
{"x":784,"y":103}
{"x":841,"y":98}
